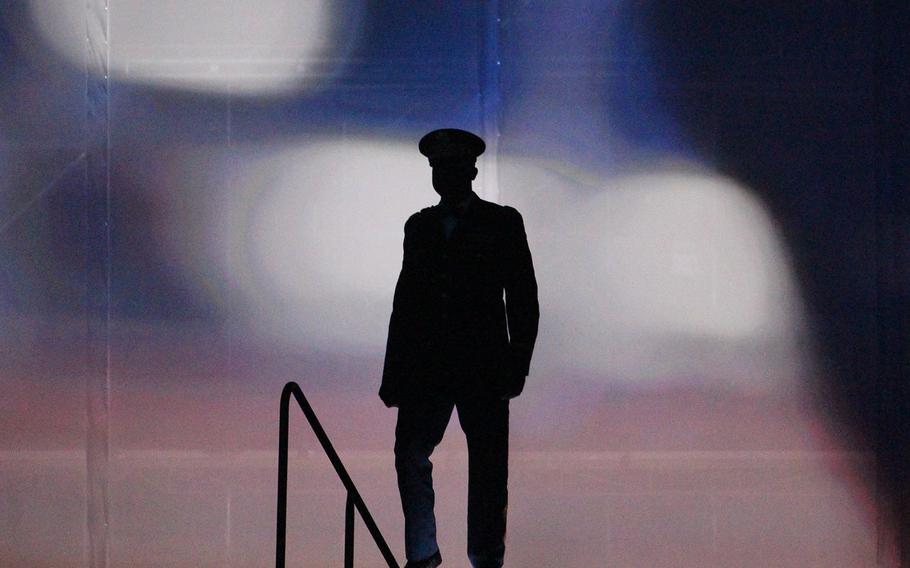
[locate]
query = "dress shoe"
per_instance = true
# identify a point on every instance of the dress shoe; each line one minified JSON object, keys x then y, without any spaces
{"x":431,"y":562}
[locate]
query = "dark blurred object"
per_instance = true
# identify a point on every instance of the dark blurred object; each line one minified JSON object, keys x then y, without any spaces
{"x":808,"y":106}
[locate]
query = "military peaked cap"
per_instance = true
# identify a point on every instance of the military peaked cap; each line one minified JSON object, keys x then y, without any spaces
{"x":451,"y":144}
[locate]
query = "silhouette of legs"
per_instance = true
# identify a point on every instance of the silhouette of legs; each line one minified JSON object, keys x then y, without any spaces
{"x":486,"y":427}
{"x":419,"y":430}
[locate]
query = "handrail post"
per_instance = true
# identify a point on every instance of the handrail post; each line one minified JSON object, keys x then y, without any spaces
{"x":349,"y":532}
{"x":281,"y":530}
{"x":343,"y":475}
{"x":355,"y":501}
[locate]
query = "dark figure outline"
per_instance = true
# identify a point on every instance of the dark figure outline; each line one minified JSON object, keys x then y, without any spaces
{"x":461,"y":335}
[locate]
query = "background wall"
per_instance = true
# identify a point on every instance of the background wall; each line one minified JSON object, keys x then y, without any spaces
{"x":200,"y":201}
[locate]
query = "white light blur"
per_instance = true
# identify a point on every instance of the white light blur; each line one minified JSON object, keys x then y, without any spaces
{"x":251,"y":47}
{"x":313,"y":238}
{"x":664,"y":276}
{"x":670,"y":274}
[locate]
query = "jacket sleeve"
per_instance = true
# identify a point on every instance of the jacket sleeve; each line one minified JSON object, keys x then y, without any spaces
{"x":400,"y":326}
{"x":522,"y":309}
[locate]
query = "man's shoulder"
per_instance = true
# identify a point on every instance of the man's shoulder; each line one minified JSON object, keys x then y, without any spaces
{"x":497,"y":209}
{"x":501,"y":213}
{"x":424,"y":213}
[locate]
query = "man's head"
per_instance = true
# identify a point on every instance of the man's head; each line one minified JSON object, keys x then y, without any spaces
{"x":452,"y":154}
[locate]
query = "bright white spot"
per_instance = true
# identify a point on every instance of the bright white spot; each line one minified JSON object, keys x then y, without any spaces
{"x":670,"y":275}
{"x":314,"y":235}
{"x":253,"y":47}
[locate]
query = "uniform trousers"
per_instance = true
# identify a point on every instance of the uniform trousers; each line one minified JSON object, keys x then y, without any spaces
{"x":419,"y":430}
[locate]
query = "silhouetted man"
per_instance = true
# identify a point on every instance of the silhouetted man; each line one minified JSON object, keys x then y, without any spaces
{"x":454,"y":342}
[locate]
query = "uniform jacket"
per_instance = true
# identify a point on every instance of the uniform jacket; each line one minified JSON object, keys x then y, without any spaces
{"x":465,"y":312}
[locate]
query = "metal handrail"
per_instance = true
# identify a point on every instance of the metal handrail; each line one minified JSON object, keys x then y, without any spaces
{"x":354,"y":500}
